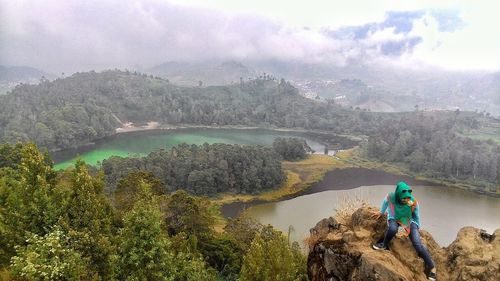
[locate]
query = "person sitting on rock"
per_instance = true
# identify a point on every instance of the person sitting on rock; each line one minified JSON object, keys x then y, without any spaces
{"x":403,"y":210}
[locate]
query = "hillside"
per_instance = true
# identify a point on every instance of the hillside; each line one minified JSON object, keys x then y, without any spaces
{"x":11,"y":76}
{"x":208,"y":73}
{"x":401,"y":88}
{"x":375,"y":88}
{"x":86,"y":106}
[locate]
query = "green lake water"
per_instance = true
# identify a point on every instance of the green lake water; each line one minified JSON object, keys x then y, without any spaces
{"x":144,"y":142}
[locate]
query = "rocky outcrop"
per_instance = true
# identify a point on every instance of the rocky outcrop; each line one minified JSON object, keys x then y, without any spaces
{"x":341,"y":250}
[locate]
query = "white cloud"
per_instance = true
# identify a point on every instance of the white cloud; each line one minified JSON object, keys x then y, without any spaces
{"x":79,"y":35}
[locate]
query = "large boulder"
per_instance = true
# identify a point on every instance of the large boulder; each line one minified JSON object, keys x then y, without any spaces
{"x":341,"y":250}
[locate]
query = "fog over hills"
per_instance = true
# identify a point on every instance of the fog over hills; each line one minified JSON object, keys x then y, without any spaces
{"x":10,"y":76}
{"x":405,"y":55}
{"x":375,"y":88}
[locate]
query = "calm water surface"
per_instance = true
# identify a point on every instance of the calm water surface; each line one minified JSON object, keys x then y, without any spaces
{"x":444,"y":210}
{"x":144,"y":142}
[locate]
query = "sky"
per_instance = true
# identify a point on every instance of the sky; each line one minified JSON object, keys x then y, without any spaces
{"x":70,"y":35}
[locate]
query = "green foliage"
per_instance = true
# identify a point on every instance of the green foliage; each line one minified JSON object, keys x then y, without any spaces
{"x":10,"y":155}
{"x":64,"y":228}
{"x":128,"y":189}
{"x":29,"y":201}
{"x":243,"y":229}
{"x":271,"y":258}
{"x":291,"y":149}
{"x":77,"y":110}
{"x":431,"y":146}
{"x":205,"y":169}
{"x":188,"y":214}
{"x":88,"y":208}
{"x":48,"y":258}
{"x":87,"y":220}
{"x":223,"y":254}
{"x":191,"y":220}
{"x":145,"y":251}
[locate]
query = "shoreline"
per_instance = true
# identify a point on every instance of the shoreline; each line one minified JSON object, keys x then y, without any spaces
{"x":129,"y":128}
{"x":337,"y":179}
{"x":327,"y":139}
{"x":348,"y":157}
{"x":348,"y":175}
{"x":154,"y":125}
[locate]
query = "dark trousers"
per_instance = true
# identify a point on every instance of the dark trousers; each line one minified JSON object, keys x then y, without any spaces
{"x":422,"y":252}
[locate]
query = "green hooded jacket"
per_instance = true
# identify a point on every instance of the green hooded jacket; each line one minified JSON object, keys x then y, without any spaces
{"x":402,"y":212}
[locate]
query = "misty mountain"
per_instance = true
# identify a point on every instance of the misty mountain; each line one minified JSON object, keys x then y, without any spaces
{"x":79,"y":109}
{"x":392,"y":88}
{"x":209,"y":73}
{"x":10,"y":76}
{"x":371,"y":87}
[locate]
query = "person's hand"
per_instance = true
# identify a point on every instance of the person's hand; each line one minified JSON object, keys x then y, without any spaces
{"x":376,"y":215}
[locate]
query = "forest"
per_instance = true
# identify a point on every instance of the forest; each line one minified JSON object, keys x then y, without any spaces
{"x":63,"y":226}
{"x":84,"y":107}
{"x":139,"y":218}
{"x":87,"y":106}
{"x":434,"y":147}
{"x":204,"y":170}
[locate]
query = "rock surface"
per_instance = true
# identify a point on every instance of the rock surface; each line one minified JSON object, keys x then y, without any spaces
{"x":342,"y":251}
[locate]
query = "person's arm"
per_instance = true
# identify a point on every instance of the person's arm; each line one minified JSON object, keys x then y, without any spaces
{"x":416,"y":214}
{"x":384,"y":206}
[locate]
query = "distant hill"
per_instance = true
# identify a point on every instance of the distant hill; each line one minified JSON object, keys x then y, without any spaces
{"x":87,"y":106}
{"x":209,"y":73}
{"x":431,"y":89}
{"x":10,"y":76}
{"x":354,"y":93}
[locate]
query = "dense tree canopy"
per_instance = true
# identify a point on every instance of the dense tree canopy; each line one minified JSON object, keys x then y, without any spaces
{"x":291,"y":148}
{"x":205,"y":169}
{"x":434,"y":147}
{"x":270,"y":257}
{"x":63,"y":227}
{"x":86,"y":106}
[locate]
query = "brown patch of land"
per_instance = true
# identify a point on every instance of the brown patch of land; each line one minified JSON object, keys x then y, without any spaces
{"x":349,"y":178}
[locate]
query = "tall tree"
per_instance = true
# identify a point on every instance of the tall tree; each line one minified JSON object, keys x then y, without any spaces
{"x":146,"y":252}
{"x":271,"y":258}
{"x":88,"y":220}
{"x":29,"y":201}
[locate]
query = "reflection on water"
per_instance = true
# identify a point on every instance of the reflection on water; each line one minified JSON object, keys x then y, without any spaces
{"x":142,"y":143}
{"x":444,"y":210}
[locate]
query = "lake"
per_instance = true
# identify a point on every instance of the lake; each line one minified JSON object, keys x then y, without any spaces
{"x":142,"y":143}
{"x":444,"y":210}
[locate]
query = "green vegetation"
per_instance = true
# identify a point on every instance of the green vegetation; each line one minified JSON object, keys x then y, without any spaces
{"x":87,"y":106}
{"x":205,"y":170}
{"x":62,"y":226}
{"x":270,"y":257}
{"x":79,"y":109}
{"x":489,"y":131}
{"x":300,"y":175}
{"x":431,"y":147}
{"x":291,"y":149}
{"x":48,"y":258}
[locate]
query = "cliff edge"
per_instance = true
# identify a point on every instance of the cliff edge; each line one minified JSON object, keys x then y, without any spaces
{"x":340,"y":249}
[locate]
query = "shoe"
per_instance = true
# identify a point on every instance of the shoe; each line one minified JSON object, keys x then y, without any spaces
{"x":431,"y":274}
{"x":379,"y":246}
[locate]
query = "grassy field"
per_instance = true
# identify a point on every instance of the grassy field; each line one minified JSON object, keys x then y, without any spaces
{"x":300,"y":175}
{"x":490,"y":130}
{"x":353,"y":158}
